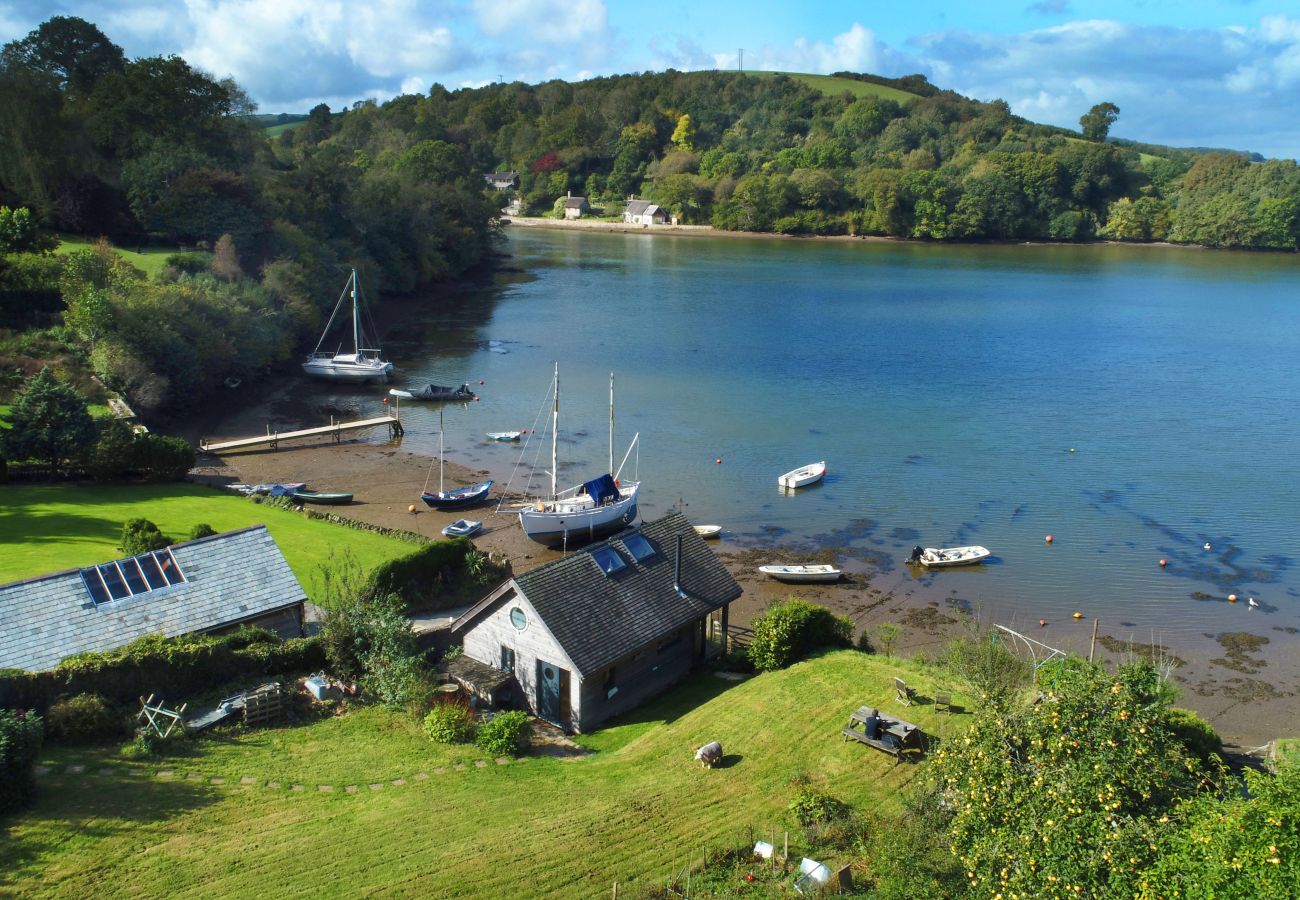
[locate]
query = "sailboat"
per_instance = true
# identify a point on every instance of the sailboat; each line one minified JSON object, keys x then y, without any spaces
{"x":590,"y":510}
{"x":363,"y":363}
{"x":457,"y":498}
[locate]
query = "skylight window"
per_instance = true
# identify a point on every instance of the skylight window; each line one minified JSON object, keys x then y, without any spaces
{"x":124,"y":578}
{"x":608,"y":560}
{"x":639,"y":547}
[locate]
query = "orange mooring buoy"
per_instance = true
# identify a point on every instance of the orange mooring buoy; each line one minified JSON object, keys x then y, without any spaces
{"x":411,"y":508}
{"x":1078,"y":615}
{"x":1232,"y":598}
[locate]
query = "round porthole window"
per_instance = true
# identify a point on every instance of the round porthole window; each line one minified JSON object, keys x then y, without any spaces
{"x":518,"y":619}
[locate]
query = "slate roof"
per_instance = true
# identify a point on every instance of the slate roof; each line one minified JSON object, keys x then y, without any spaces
{"x":229,"y":578}
{"x":637,"y":207}
{"x":598,"y":618}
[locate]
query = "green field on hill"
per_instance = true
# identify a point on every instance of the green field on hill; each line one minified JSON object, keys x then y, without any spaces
{"x":149,"y":259}
{"x":51,"y":528}
{"x":634,"y":811}
{"x":832,"y":86}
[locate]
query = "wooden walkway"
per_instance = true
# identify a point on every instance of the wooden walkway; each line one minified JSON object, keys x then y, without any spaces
{"x":334,"y":429}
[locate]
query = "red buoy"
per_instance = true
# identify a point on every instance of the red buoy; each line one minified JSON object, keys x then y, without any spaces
{"x":1042,"y":623}
{"x":718,"y":460}
{"x":385,"y":399}
{"x":1163,"y":563}
{"x":1048,"y":539}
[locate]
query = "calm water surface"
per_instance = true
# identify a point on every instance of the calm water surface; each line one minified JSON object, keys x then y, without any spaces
{"x":1135,"y":403}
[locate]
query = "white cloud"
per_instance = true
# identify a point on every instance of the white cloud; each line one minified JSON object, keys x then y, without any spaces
{"x":543,"y":21}
{"x":855,"y":50}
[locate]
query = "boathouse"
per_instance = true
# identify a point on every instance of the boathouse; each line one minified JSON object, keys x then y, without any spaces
{"x":605,"y":628}
{"x":210,"y":585}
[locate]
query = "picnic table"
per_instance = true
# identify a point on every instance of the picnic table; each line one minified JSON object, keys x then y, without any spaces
{"x":895,"y":737}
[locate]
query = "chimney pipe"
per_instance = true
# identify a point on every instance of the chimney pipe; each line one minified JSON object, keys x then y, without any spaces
{"x":677,"y":570}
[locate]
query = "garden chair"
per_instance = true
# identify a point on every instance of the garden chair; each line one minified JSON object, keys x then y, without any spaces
{"x":943,"y":701}
{"x":904,"y":693}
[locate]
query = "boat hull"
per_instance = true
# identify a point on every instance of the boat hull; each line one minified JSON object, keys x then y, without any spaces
{"x":457,"y":499}
{"x":801,"y":574}
{"x":463,"y":528}
{"x":569,"y":522}
{"x":330,"y":499}
{"x":803,"y":477}
{"x":356,"y":373}
{"x":708,"y":531}
{"x":951,"y":557}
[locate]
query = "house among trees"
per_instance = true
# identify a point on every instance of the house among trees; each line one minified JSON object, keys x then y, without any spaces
{"x":605,"y":628}
{"x":503,"y":181}
{"x":210,"y":585}
{"x":643,"y":212}
{"x":575,"y":207}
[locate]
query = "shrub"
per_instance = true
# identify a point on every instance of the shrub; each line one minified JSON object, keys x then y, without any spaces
{"x":83,"y":719}
{"x":426,"y":578}
{"x":141,"y":536}
{"x":1196,"y":734}
{"x":505,"y":734}
{"x":20,"y":742}
{"x":812,"y":807}
{"x":201,"y":530}
{"x":113,"y":455}
{"x":449,"y":723}
{"x":792,"y":628}
{"x":189,"y":263}
{"x":161,"y":458}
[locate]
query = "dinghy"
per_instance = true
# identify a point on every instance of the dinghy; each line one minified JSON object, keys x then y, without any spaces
{"x":504,"y":435}
{"x":708,"y":531}
{"x":801,"y":574}
{"x":432,"y":392}
{"x":325,"y":498}
{"x":463,"y":528}
{"x":804,"y":476}
{"x":951,"y":556}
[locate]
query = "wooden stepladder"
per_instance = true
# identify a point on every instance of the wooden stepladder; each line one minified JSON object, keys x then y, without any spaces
{"x":161,"y":719}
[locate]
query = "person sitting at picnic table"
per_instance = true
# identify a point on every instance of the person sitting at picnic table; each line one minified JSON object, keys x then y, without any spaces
{"x":871,"y":724}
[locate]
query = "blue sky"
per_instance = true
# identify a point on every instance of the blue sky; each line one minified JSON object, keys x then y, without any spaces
{"x":1187,"y":73}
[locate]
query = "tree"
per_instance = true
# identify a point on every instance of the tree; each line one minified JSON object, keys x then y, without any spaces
{"x":1096,"y":122}
{"x":1067,"y":796}
{"x":684,"y":133}
{"x":49,"y":422}
{"x":19,"y":232}
{"x":225,"y":260}
{"x":71,"y":50}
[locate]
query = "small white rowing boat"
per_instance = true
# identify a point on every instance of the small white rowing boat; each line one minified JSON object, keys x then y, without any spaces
{"x":504,"y":435}
{"x":803,"y":476}
{"x":708,"y":531}
{"x":951,"y":556}
{"x":801,"y":574}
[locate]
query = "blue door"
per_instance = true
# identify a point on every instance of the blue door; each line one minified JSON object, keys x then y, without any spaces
{"x":548,"y":691}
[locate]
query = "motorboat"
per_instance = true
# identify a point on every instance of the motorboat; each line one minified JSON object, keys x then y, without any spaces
{"x":950,"y":556}
{"x":504,"y":436}
{"x":804,"y":476}
{"x":362,"y":363}
{"x":436,"y":392}
{"x":801,"y":574}
{"x":708,"y":531}
{"x":463,"y":528}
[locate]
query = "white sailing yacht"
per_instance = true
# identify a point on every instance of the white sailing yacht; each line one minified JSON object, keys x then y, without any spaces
{"x":588,"y":511}
{"x":363,"y":363}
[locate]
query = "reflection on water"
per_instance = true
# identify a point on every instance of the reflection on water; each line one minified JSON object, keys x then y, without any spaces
{"x":1135,"y":403}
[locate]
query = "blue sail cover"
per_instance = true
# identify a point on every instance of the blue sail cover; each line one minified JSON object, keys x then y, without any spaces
{"x":602,"y":489}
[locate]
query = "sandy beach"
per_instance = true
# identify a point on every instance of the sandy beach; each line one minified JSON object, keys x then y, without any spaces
{"x":387,"y":480}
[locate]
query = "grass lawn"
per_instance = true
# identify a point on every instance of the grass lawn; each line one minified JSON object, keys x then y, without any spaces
{"x":632,"y":812}
{"x":833,"y":87}
{"x":150,"y":259}
{"x":50,"y":528}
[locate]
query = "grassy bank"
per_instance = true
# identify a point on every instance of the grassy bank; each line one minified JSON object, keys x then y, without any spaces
{"x":49,"y":528}
{"x":632,"y":812}
{"x":149,"y":259}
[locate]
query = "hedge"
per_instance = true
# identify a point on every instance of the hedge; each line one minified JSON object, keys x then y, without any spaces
{"x":171,"y":667}
{"x":20,"y":743}
{"x":421,"y":579}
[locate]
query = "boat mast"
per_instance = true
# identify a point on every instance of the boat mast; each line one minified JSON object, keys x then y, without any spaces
{"x":555,"y":428}
{"x":356,"y":335}
{"x":611,"y":421}
{"x":440,"y":487}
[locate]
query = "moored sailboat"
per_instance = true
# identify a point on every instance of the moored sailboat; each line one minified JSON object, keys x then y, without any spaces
{"x":363,"y":363}
{"x":588,"y":511}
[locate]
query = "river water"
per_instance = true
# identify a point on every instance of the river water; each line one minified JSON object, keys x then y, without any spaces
{"x":1136,"y":403}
